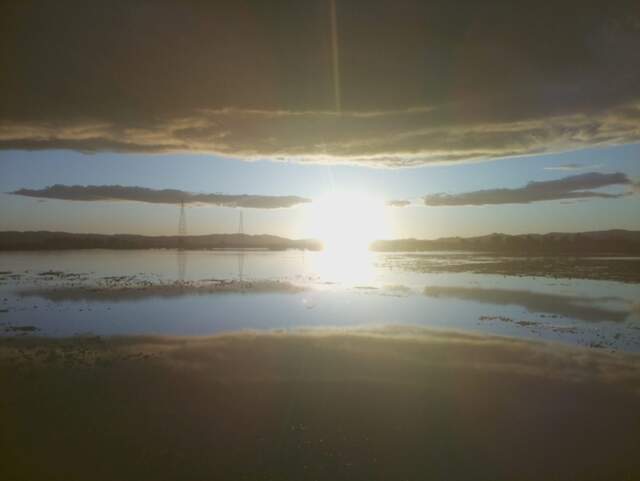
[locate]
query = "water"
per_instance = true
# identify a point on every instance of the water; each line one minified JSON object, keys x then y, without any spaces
{"x":166,"y":292}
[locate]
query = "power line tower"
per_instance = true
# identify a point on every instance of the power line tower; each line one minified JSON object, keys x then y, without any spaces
{"x":182,"y":222}
{"x":241,"y":253}
{"x":181,"y":254}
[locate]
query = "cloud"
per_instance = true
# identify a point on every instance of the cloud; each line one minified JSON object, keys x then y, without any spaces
{"x":155,"y":196}
{"x":573,"y":166}
{"x":572,"y":187}
{"x":237,"y":79}
{"x":398,"y":203}
{"x":592,"y":309}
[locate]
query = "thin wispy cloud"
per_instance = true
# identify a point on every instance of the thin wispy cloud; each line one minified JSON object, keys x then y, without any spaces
{"x":573,"y":187}
{"x":398,"y":203}
{"x":105,"y":193}
{"x":573,"y":167}
{"x":240,"y":81}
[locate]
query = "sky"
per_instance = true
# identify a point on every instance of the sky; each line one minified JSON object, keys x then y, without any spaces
{"x":466,"y":118}
{"x":206,"y":173}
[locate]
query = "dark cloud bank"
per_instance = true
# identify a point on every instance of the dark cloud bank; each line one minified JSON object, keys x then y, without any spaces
{"x":572,"y":187}
{"x":420,"y":82}
{"x":154,"y":196}
{"x":567,"y":188}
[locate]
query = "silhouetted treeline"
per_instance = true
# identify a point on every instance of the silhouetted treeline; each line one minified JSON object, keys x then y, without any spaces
{"x":44,"y":240}
{"x":615,"y":242}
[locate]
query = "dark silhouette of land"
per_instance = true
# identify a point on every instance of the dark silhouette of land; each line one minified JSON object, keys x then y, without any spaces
{"x":610,"y":242}
{"x":614,"y":242}
{"x":45,"y":240}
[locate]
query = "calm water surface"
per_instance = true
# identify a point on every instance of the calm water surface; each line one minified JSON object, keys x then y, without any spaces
{"x":160,"y":292}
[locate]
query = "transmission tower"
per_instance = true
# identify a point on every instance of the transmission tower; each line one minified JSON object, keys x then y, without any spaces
{"x":181,"y":254}
{"x":182,"y":223}
{"x":241,"y":252}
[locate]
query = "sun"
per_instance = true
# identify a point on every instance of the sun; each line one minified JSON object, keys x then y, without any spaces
{"x":348,"y":222}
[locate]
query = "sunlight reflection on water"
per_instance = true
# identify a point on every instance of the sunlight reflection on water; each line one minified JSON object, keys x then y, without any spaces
{"x":205,"y":292}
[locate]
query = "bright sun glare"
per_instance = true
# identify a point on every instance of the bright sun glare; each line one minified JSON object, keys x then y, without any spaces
{"x":348,"y":222}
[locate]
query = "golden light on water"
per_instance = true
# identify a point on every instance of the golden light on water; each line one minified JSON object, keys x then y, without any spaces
{"x":343,"y":267}
{"x":347,"y":223}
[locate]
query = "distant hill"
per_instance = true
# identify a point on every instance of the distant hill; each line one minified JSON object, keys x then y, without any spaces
{"x":45,"y":240}
{"x":615,"y":242}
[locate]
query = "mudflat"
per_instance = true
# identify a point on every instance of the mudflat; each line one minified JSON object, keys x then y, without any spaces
{"x":393,"y":403}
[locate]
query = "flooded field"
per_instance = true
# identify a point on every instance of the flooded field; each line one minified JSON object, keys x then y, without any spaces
{"x":193,"y":293}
